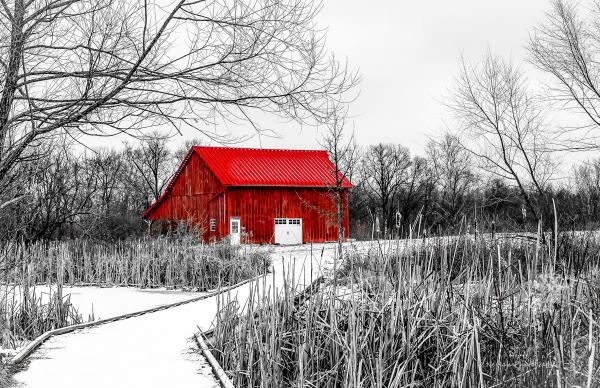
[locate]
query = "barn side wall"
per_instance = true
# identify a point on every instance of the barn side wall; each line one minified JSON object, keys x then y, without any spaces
{"x":258,"y":206}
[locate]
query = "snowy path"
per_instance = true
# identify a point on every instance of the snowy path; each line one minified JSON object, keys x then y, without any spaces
{"x":153,"y":350}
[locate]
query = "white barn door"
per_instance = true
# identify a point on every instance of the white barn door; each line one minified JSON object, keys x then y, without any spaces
{"x":234,"y":230}
{"x":288,"y":231}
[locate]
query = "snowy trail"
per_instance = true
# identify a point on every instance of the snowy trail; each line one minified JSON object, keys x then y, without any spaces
{"x":153,"y":350}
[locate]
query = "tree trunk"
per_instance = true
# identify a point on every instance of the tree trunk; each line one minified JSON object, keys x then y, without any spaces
{"x":17,"y":42}
{"x":340,"y":220}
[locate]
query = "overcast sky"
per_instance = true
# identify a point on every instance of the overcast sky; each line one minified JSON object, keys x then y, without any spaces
{"x":407,"y":54}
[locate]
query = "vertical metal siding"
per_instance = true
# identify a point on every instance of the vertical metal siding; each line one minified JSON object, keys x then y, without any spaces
{"x":258,"y":206}
{"x":188,"y":200}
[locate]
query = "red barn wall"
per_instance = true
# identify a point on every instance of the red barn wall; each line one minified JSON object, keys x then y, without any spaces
{"x":258,"y":206}
{"x":162,"y":211}
{"x":216,"y":209}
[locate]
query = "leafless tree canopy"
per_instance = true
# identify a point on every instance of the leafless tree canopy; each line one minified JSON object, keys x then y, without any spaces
{"x":110,"y":66}
{"x":504,"y":125}
{"x":586,"y":179}
{"x":153,"y":163}
{"x":385,"y":168}
{"x":342,"y":149}
{"x":452,"y":173}
{"x":98,"y":194}
{"x":566,"y":46}
{"x":344,"y":155}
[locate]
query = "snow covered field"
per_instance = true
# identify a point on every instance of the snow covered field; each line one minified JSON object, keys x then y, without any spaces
{"x":152,"y":350}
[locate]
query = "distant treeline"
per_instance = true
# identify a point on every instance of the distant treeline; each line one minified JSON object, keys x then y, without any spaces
{"x":101,"y":194}
{"x":62,"y":192}
{"x":446,"y":192}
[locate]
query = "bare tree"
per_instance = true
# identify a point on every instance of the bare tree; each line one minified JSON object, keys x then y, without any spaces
{"x":410,"y":195}
{"x":62,"y":191}
{"x":111,"y":66}
{"x":586,"y":179}
{"x":453,"y":174}
{"x":108,"y":166}
{"x":505,"y":128}
{"x":384,"y":168}
{"x":153,"y":162}
{"x":566,"y":47}
{"x":182,"y":150}
{"x":344,"y":155}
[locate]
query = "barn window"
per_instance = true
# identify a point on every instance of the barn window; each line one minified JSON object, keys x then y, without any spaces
{"x":280,"y":221}
{"x":213,"y":224}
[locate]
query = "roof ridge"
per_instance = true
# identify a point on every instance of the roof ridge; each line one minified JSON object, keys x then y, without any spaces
{"x":259,"y":149}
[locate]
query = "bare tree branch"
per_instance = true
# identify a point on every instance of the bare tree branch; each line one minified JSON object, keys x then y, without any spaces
{"x":103,"y":67}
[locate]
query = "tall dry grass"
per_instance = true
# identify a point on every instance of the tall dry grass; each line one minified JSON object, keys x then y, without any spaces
{"x":150,"y":262}
{"x":147,"y":262}
{"x":435,"y":313}
{"x":25,"y":314}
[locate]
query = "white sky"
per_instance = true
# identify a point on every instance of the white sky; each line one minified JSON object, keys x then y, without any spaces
{"x":407,"y":54}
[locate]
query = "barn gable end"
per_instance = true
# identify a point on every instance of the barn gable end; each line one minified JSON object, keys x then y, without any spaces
{"x":187,"y":195}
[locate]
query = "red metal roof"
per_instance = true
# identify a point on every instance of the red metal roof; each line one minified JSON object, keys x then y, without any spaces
{"x":270,"y":167}
{"x":262,"y":167}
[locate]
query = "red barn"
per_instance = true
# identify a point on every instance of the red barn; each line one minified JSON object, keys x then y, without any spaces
{"x":254,"y":195}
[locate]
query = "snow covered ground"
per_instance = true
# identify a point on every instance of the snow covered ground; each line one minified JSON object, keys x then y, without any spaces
{"x":106,"y":302}
{"x":152,"y":350}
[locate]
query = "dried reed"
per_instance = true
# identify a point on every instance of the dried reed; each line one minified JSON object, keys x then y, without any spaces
{"x":437,"y":313}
